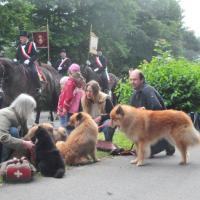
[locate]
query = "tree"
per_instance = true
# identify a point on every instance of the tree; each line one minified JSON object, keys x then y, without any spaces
{"x":14,"y":15}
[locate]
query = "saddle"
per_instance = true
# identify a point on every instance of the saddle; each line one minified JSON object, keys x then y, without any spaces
{"x":40,"y":74}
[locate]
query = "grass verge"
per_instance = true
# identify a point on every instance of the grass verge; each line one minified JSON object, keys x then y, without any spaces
{"x":119,"y":139}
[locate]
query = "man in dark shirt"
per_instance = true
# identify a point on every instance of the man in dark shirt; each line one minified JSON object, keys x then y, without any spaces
{"x":63,"y":63}
{"x":147,"y":97}
{"x":99,"y":64}
{"x":26,"y":54}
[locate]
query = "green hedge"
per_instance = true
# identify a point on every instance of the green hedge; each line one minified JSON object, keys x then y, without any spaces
{"x":177,"y":80}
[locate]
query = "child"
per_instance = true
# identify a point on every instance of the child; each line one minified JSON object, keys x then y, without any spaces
{"x":62,"y":117}
{"x":71,"y":94}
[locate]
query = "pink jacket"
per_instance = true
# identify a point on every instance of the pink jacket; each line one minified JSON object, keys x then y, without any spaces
{"x":69,"y":98}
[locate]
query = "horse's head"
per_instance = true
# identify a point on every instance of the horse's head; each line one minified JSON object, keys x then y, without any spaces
{"x":7,"y":67}
{"x":88,"y":73}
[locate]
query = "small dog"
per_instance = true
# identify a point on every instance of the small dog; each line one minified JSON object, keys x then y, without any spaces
{"x":145,"y":127}
{"x":58,"y":134}
{"x":81,"y":143}
{"x":48,"y":159}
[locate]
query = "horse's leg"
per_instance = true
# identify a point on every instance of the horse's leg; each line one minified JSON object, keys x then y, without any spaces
{"x":37,"y":119}
{"x":51,"y":115}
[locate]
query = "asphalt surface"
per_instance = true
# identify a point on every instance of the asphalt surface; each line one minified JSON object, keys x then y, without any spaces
{"x":114,"y":178}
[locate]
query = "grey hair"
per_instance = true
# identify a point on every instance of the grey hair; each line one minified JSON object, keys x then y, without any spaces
{"x":24,"y":105}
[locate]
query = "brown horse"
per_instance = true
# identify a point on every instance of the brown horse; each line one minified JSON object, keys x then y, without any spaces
{"x":16,"y":79}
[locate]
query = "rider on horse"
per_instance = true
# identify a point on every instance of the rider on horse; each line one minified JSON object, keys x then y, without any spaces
{"x":27,"y":54}
{"x":100,"y":66}
{"x":63,"y":63}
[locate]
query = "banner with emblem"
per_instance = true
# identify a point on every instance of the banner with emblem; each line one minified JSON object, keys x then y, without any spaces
{"x":93,"y":43}
{"x":41,"y":39}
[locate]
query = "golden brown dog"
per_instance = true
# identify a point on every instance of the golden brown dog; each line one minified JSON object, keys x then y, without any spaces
{"x":81,"y":143}
{"x":145,"y":127}
{"x":57,"y":134}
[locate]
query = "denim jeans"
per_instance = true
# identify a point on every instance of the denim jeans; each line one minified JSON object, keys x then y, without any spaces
{"x":5,"y":151}
{"x":64,"y":122}
{"x":108,"y":131}
{"x":162,"y":145}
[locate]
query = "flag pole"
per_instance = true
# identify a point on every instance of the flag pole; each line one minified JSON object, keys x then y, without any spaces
{"x":89,"y":42}
{"x":48,"y":41}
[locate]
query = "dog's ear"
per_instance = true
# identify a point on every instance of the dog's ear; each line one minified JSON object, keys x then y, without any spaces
{"x":120,"y":111}
{"x":79,"y":116}
{"x":37,"y":131}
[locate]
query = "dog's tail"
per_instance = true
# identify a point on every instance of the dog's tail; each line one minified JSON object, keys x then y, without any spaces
{"x":59,"y":173}
{"x":192,"y":137}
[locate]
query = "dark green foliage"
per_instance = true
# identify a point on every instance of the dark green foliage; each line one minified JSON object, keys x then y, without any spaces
{"x":14,"y":15}
{"x":127,"y":29}
{"x":177,"y":80}
{"x":123,"y":91}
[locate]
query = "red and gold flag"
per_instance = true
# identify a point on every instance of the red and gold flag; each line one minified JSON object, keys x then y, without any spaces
{"x":41,"y":39}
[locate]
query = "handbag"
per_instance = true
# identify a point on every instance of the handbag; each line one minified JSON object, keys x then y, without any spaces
{"x":17,"y":170}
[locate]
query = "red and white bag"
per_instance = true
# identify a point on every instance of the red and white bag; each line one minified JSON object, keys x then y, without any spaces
{"x":17,"y":170}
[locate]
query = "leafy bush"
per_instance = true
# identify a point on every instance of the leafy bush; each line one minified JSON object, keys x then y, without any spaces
{"x":123,"y":91}
{"x":177,"y":80}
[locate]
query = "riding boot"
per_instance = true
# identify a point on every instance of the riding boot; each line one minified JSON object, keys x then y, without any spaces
{"x":37,"y":83}
{"x":105,"y":84}
{"x":35,"y":78}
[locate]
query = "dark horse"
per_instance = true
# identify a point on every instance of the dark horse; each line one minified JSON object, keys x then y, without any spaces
{"x":89,"y":74}
{"x":16,"y":79}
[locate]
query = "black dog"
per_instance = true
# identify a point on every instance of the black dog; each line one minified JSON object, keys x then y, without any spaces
{"x":48,"y":159}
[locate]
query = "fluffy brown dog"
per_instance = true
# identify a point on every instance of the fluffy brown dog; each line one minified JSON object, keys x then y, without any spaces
{"x":145,"y":127}
{"x":57,"y":134}
{"x":81,"y":143}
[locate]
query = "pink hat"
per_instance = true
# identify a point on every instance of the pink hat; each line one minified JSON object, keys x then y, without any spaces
{"x":74,"y":68}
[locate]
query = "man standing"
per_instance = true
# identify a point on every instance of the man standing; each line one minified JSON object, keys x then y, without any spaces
{"x":27,"y":54}
{"x":147,"y":97}
{"x":100,"y":66}
{"x":63,"y":63}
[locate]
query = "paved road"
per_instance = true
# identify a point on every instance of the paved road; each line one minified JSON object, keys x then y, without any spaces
{"x":115,"y":179}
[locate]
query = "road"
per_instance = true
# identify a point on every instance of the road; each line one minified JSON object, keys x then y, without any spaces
{"x":114,"y":178}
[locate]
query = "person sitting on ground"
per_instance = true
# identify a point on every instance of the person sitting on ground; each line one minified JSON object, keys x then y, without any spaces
{"x":27,"y":55}
{"x":98,"y":105}
{"x":13,"y":126}
{"x":147,"y":97}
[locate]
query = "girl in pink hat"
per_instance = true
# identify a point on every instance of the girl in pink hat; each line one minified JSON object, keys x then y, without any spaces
{"x":71,"y":94}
